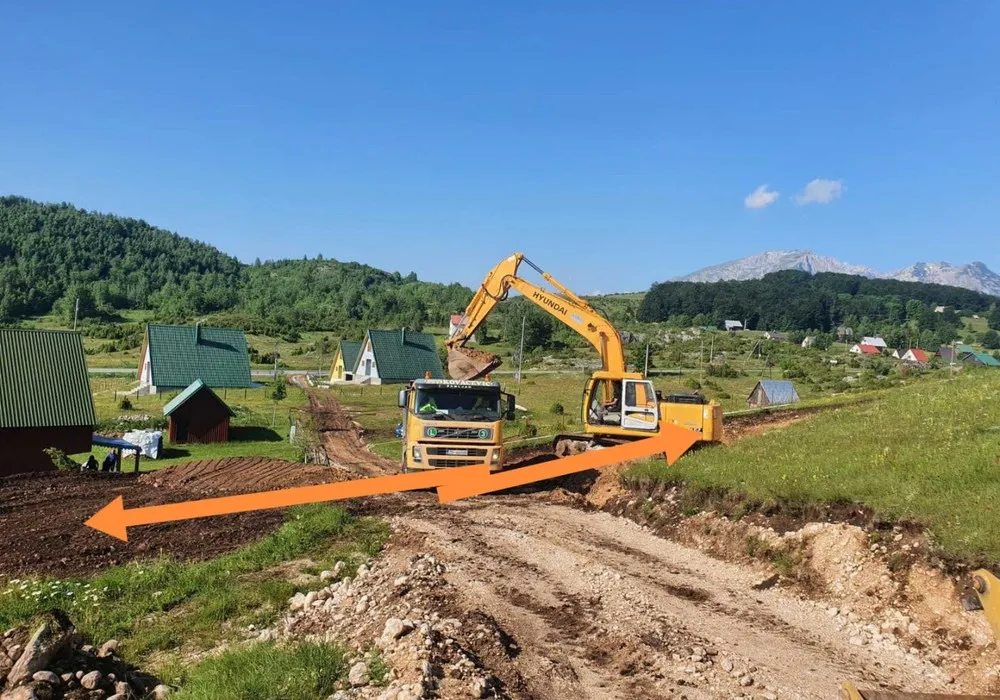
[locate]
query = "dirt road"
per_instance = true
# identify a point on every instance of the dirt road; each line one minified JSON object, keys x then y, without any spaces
{"x":599,"y":607}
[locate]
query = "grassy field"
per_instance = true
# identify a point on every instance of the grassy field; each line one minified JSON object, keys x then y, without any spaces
{"x":251,"y":433}
{"x":164,"y":612}
{"x":928,"y":452}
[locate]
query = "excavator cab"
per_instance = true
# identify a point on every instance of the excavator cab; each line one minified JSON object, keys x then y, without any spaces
{"x":626,"y":403}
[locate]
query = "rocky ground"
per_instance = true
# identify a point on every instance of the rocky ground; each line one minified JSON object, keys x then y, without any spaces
{"x":49,"y":662}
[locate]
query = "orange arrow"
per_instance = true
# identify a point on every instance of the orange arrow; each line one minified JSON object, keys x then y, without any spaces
{"x":672,"y":441}
{"x":452,"y":484}
{"x":114,"y":519}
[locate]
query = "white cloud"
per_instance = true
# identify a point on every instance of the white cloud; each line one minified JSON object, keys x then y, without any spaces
{"x":820,"y":191}
{"x":760,"y":198}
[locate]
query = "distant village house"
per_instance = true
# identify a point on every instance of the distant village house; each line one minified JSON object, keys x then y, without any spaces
{"x":173,"y":357}
{"x":342,"y":369}
{"x":865,"y":349}
{"x":874,"y":340}
{"x":917,"y":356}
{"x":395,"y":357}
{"x":772,"y":392}
{"x":733,"y":326}
{"x":45,"y":398}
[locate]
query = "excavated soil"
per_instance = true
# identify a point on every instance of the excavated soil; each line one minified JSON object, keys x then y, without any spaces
{"x":42,"y":515}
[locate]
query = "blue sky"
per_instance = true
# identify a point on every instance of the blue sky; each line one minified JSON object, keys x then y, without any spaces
{"x":614,"y":143}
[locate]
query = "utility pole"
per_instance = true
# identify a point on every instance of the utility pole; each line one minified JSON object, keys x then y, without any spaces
{"x":520,"y":353}
{"x":275,"y":359}
{"x":645,"y":370}
{"x":76,"y":312}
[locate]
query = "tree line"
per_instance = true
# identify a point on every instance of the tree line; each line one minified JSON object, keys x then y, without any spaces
{"x":795,"y":300}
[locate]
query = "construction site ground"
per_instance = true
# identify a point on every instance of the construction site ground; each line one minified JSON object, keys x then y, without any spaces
{"x":560,"y":590}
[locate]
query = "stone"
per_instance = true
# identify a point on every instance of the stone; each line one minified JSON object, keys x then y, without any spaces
{"x":5,"y":665}
{"x":358,"y":675}
{"x":857,"y":641}
{"x":49,"y":639}
{"x":109,"y":648}
{"x":24,"y":692}
{"x":161,"y":692}
{"x":121,"y":688}
{"x":396,"y":628}
{"x":46,"y":677}
{"x":480,"y":688}
{"x":326,"y":575}
{"x":338,"y":568}
{"x":728,"y":665}
{"x":746,"y":681}
{"x":15,"y":651}
{"x":118,"y":696}
{"x":92,"y":680}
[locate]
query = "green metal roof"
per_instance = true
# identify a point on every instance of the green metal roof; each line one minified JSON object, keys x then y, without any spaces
{"x":350,"y":349}
{"x":182,"y":398}
{"x":181,"y":354}
{"x":43,"y":380}
{"x":400,"y":360}
{"x":986,"y":359}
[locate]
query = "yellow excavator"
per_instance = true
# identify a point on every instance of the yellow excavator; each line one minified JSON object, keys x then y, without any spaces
{"x":618,"y":405}
{"x":987,"y":598}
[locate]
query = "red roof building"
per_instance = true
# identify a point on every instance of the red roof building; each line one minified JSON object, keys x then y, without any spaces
{"x":865,"y":349}
{"x":917,"y":355}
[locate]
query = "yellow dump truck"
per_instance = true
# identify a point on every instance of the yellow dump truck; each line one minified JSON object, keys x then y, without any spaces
{"x":452,"y":423}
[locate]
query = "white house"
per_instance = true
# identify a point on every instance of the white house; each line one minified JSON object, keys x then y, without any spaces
{"x":874,"y":340}
{"x":940,"y":309}
{"x":456,"y":324}
{"x":733,"y":326}
{"x":808,"y":341}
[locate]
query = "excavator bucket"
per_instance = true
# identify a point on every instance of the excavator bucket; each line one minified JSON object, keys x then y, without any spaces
{"x":468,"y":364}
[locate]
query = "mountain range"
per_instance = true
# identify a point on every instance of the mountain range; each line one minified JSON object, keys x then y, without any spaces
{"x":975,"y":276}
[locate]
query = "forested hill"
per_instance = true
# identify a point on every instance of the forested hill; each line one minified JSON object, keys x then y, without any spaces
{"x":53,"y":254}
{"x":51,"y":251}
{"x":796,"y":300}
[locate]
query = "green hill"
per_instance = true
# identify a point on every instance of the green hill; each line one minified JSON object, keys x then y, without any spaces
{"x":928,"y":452}
{"x":53,"y":254}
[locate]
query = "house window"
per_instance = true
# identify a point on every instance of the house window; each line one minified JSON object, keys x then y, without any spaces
{"x":368,"y":368}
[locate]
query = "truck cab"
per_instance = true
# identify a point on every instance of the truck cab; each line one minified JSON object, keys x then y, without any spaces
{"x":453,"y":423}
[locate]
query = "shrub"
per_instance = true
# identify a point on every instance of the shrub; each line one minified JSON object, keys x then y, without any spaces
{"x":60,"y":460}
{"x":692,"y":383}
{"x":125,"y":404}
{"x":557,"y":409}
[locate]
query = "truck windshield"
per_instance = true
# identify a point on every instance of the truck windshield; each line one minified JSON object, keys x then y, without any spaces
{"x":459,"y":404}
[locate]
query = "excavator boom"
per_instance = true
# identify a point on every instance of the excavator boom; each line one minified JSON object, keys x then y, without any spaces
{"x":564,"y":305}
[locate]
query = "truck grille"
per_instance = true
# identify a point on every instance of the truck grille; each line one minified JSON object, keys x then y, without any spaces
{"x":458,"y":433}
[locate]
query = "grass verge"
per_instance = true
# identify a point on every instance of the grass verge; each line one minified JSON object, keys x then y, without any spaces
{"x":306,"y":671}
{"x":164,"y":607}
{"x":928,"y":452}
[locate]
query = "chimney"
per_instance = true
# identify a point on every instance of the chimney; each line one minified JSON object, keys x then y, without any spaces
{"x":197,"y":332}
{"x":402,"y":335}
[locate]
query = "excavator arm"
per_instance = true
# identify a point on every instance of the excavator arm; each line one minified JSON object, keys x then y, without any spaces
{"x":564,"y":305}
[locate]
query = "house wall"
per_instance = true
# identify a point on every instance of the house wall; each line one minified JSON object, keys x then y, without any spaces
{"x":366,"y":355}
{"x":21,"y":449}
{"x":338,"y":371}
{"x":206,"y":421}
{"x":758,"y":397}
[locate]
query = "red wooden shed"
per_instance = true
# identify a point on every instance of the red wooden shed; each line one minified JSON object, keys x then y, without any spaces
{"x":197,"y":414}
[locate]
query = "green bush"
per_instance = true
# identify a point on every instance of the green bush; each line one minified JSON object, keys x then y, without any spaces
{"x":125,"y":404}
{"x":557,"y":409}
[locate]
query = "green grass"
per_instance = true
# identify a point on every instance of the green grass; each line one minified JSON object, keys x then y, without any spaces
{"x":251,"y":431}
{"x":306,"y":671}
{"x":165,"y":608}
{"x":929,"y":452}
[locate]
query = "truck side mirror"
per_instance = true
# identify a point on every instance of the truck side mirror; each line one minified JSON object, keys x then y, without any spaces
{"x":509,"y":413}
{"x":403,"y":398}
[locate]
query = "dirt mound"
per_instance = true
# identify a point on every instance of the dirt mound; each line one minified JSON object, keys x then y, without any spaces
{"x":240,"y":475}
